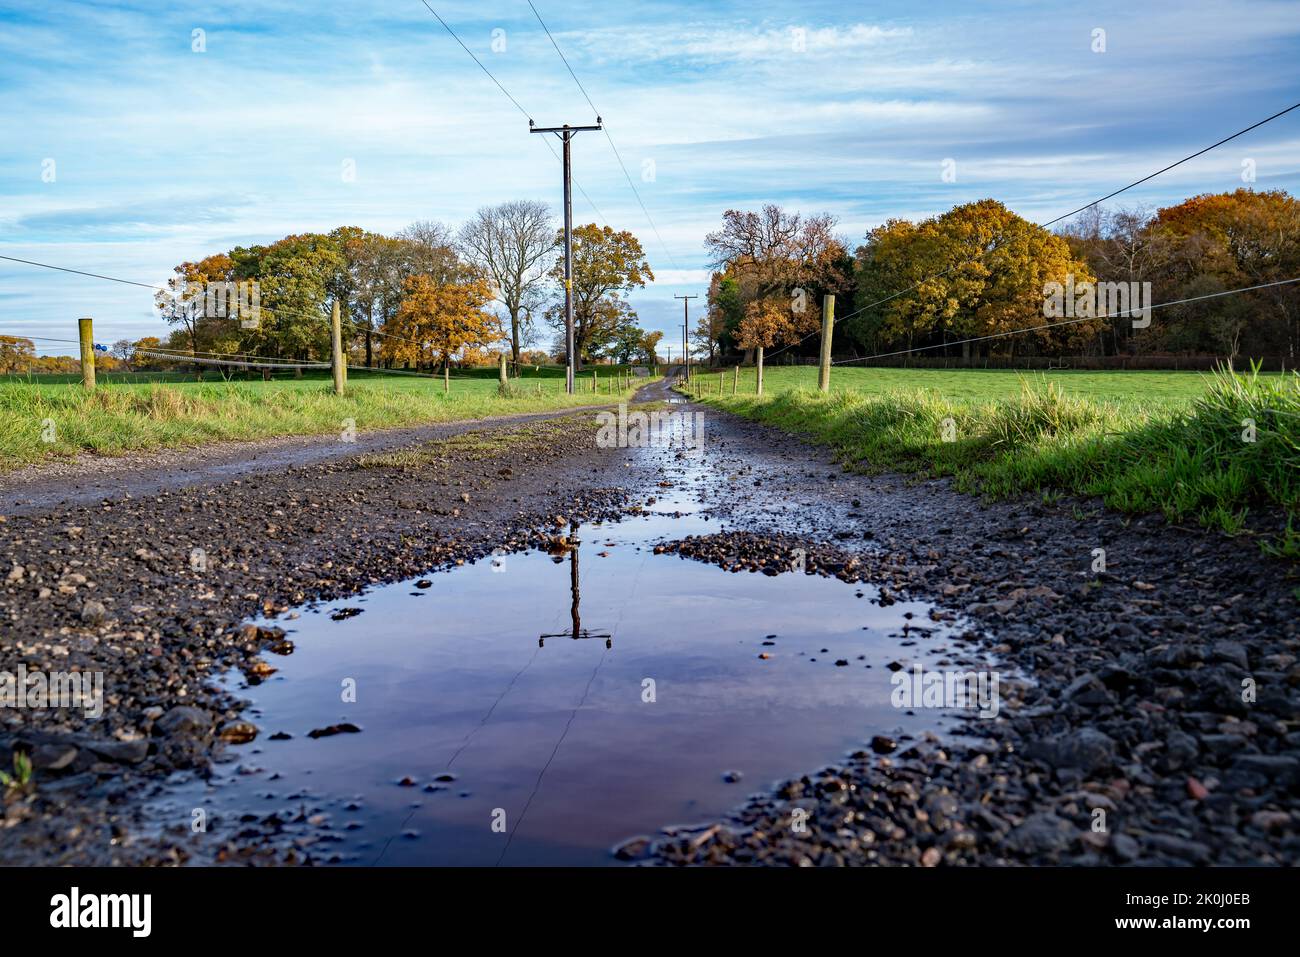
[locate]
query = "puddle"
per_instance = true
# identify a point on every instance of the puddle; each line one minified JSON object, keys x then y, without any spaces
{"x":570,"y":745}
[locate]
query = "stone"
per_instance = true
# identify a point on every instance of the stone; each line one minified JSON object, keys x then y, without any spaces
{"x":1041,"y":833}
{"x":121,"y":752}
{"x":93,"y":612}
{"x":53,"y":757}
{"x":1086,"y":750}
{"x":633,"y":849}
{"x":184,"y":719}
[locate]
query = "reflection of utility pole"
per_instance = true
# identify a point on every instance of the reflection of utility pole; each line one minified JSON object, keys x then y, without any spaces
{"x":565,"y":133}
{"x":686,"y":331}
{"x":577,"y":631}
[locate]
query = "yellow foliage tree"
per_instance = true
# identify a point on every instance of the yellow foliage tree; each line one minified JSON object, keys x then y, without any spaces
{"x":777,"y":321}
{"x":435,"y":321}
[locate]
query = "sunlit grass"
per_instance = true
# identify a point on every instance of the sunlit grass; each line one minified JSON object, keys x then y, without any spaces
{"x":1232,"y":444}
{"x":45,"y":419}
{"x":1142,"y":388}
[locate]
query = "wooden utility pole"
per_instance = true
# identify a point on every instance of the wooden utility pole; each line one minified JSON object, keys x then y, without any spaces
{"x":87,"y":336}
{"x":87,"y":342}
{"x":336,"y":349}
{"x":565,"y":133}
{"x":686,"y":331}
{"x":828,"y":322}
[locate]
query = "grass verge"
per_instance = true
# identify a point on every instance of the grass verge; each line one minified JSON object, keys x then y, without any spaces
{"x":1233,"y":447}
{"x":44,"y":420}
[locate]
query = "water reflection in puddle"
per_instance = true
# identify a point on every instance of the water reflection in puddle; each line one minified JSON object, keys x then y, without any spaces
{"x":476,"y":696}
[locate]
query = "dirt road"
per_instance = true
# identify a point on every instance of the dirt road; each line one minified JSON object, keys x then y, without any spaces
{"x":1161,"y":691}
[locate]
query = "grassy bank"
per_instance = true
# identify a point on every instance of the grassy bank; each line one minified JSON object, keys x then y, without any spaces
{"x":1190,"y":460}
{"x":46,"y":419}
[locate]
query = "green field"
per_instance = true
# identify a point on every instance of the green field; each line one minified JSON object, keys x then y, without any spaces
{"x":53,"y":416}
{"x":1153,"y":389}
{"x":1221,"y":449}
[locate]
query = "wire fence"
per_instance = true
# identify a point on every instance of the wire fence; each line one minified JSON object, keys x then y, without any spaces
{"x":182,"y":365}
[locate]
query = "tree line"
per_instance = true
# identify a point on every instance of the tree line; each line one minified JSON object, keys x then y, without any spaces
{"x":979,"y":271}
{"x":426,"y":296}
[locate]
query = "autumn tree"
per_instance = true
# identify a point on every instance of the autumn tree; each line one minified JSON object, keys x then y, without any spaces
{"x":650,"y":344}
{"x":511,"y":243}
{"x":1119,"y":245}
{"x":146,"y":344}
{"x":436,"y":320}
{"x":16,"y":354}
{"x":725,"y":308}
{"x":1228,"y":241}
{"x":901,"y":293}
{"x":371,"y":261}
{"x":429,"y":248}
{"x":631,"y":342}
{"x":771,"y":252}
{"x":606,"y":266}
{"x":775,"y":320}
{"x":185,"y":301}
{"x":1004,"y":264}
{"x":978,"y":270}
{"x":298,"y":277}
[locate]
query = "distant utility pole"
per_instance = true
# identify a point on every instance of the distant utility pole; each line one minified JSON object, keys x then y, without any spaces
{"x":686,"y":331}
{"x":565,"y":133}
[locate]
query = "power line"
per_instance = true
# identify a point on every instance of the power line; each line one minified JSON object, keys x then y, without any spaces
{"x":1180,"y":162}
{"x":1050,"y":222}
{"x":79,"y":272}
{"x":223,"y":355}
{"x":554,"y":751}
{"x":477,"y":60}
{"x":19,"y":335}
{"x":608,"y":136}
{"x":239,"y":363}
{"x":500,"y":86}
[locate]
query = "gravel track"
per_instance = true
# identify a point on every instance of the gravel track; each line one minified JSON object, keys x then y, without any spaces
{"x":1123,"y":691}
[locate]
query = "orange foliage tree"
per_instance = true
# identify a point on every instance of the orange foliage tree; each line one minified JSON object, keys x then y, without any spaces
{"x":435,"y":321}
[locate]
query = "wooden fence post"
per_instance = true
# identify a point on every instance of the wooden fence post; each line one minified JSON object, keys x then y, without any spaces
{"x":828,"y":323}
{"x":503,"y":383}
{"x":336,"y":348}
{"x":87,"y":336}
{"x":758,"y":373}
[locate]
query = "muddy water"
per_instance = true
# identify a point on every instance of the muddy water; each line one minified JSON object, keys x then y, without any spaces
{"x":490,"y":734}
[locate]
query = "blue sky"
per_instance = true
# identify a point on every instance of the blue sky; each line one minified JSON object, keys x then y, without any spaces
{"x":162,"y":154}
